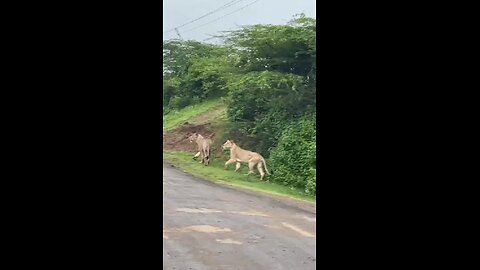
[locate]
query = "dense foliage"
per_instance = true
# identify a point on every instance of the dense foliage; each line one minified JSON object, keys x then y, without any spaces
{"x":267,"y":75}
{"x":294,"y":157}
{"x":192,"y":72}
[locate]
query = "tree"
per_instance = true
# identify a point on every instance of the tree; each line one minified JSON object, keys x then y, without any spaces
{"x":191,"y":72}
{"x":277,"y":84}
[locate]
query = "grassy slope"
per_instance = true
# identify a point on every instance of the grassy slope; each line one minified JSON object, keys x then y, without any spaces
{"x":174,"y":119}
{"x":215,"y":171}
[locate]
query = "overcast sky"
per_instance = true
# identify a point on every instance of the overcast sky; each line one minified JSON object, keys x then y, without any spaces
{"x":179,"y":12}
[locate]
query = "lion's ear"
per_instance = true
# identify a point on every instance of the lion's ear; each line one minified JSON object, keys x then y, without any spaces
{"x":232,"y":141}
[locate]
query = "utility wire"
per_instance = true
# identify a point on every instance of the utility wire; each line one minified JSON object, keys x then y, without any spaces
{"x":208,"y":38}
{"x":220,"y":17}
{"x":212,"y":37}
{"x":205,"y":15}
{"x":178,"y":33}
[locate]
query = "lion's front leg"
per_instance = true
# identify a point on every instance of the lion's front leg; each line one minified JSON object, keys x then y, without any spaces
{"x":200,"y":154}
{"x":196,"y":156}
{"x":230,"y":161}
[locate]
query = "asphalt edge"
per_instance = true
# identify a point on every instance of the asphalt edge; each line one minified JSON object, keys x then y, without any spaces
{"x":298,"y":204}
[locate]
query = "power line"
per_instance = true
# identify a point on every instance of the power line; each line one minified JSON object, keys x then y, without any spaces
{"x":178,"y":33}
{"x":212,"y":37}
{"x":186,"y":31}
{"x":205,"y":15}
{"x":208,"y":38}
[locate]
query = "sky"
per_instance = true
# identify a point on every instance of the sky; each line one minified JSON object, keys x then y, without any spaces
{"x":178,"y":12}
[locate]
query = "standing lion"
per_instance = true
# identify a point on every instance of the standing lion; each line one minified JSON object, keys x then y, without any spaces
{"x":203,"y":147}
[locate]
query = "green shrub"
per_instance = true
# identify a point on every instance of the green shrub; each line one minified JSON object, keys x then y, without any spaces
{"x":258,"y":105}
{"x":293,"y":160}
{"x":311,"y":186}
{"x":179,"y":102}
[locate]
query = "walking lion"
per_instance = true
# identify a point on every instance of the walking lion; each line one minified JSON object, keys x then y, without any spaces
{"x":239,"y":155}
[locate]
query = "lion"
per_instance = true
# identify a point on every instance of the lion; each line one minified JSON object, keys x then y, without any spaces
{"x":203,"y":147}
{"x":238,"y":155}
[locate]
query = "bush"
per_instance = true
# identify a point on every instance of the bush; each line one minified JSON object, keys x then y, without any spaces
{"x":293,"y":161}
{"x":311,"y":186}
{"x":179,"y":102}
{"x":170,"y":90}
{"x":258,"y":106}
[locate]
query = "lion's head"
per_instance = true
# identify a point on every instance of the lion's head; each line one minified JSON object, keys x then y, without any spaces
{"x":193,"y":137}
{"x":228,"y":144}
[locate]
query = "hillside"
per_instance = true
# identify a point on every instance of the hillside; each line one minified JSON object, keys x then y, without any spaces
{"x":258,"y":88}
{"x":179,"y":151}
{"x":204,"y":118}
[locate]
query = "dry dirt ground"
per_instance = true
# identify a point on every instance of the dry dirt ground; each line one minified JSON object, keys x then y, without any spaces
{"x":176,"y":140}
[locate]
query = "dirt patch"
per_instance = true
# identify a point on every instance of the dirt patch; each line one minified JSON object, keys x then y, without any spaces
{"x":298,"y":230}
{"x":176,"y":140}
{"x":201,"y":210}
{"x":228,"y":241}
{"x":199,"y":228}
{"x":249,"y":213}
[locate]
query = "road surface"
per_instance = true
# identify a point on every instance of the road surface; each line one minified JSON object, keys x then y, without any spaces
{"x":208,"y":226}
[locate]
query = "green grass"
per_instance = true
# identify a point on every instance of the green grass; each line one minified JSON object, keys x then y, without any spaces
{"x":215,"y":172}
{"x":176,"y":118}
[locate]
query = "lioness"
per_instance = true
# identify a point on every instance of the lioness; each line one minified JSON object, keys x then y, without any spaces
{"x":203,"y":147}
{"x":238,"y":155}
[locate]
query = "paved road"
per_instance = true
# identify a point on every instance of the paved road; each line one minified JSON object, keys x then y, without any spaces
{"x":207,"y":226}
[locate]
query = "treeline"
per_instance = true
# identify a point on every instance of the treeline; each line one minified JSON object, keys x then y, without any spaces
{"x":267,"y":75}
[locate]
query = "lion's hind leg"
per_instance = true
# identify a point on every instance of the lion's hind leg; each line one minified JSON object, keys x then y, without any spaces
{"x":208,"y":156}
{"x":251,"y":165}
{"x":260,"y":170}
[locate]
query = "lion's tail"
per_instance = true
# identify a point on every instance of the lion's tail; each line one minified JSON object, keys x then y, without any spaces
{"x":265,"y":165}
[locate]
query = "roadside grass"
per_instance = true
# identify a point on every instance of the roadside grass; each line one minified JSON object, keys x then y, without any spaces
{"x":176,"y":118}
{"x":215,"y":172}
